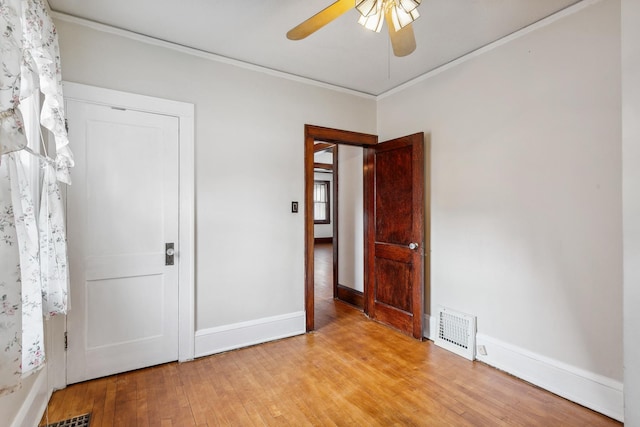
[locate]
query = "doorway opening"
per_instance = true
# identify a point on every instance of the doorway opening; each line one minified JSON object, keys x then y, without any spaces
{"x":318,"y":139}
{"x":394,"y":232}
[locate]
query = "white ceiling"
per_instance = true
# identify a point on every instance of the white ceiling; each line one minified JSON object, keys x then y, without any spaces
{"x":342,"y":53}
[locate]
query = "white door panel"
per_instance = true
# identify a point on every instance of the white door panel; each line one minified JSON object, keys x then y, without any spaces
{"x":122,"y":209}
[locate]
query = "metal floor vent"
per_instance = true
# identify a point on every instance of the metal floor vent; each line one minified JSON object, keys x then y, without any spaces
{"x":79,"y":421}
{"x":457,"y":332}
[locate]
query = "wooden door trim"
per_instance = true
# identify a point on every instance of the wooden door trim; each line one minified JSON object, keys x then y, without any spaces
{"x":351,"y":296}
{"x":336,"y":202}
{"x":368,"y":206}
{"x":311,"y":134}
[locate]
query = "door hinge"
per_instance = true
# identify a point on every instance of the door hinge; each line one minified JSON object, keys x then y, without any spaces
{"x":66,"y":342}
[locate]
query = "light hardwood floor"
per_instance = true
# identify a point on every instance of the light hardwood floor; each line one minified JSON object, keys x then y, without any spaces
{"x":349,"y":372}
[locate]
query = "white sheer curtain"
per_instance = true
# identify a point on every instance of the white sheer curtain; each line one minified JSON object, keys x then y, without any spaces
{"x":33,"y":260}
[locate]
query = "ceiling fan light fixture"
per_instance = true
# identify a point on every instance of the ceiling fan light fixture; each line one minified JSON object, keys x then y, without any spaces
{"x":402,"y":13}
{"x":408,"y":5}
{"x":368,"y":7}
{"x":400,"y":18}
{"x":373,"y":22}
{"x":399,"y":14}
{"x":371,"y":14}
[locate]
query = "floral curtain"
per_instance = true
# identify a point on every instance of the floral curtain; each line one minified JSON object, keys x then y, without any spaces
{"x":53,"y":246}
{"x":28,"y":249}
{"x":33,"y":259}
{"x":40,"y":69}
{"x":12,"y":136}
{"x":10,"y":290}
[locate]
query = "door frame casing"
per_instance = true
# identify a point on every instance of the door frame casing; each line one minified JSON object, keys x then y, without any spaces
{"x":311,"y":135}
{"x":185,"y":259}
{"x":334,"y":201}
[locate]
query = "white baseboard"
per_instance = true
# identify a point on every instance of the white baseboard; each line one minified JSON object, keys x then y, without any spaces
{"x":230,"y":337}
{"x":594,"y":391}
{"x":429,"y":327}
{"x":35,"y":402}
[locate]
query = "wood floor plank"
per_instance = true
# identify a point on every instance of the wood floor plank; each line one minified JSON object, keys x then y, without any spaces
{"x":350,"y":371}
{"x":108,"y":407}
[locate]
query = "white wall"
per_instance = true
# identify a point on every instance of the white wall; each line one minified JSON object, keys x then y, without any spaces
{"x":631,"y":205}
{"x":350,"y":217}
{"x":526,"y":214}
{"x":323,"y":157}
{"x":25,"y":406}
{"x":249,"y":163}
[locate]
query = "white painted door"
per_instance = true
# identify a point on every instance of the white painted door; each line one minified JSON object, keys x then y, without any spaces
{"x":122,"y":210}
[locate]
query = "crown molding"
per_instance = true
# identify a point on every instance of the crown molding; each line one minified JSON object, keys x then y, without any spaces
{"x":203,"y":54}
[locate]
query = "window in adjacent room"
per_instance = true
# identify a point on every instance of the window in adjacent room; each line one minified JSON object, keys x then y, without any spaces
{"x":321,"y":208}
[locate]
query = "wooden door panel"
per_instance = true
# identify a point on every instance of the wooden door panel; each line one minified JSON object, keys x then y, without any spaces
{"x":393,"y":195}
{"x":393,"y":284}
{"x":394,"y":203}
{"x":394,"y":318}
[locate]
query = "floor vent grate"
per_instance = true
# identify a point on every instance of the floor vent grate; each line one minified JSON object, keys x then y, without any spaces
{"x":456,"y":332}
{"x":79,"y":421}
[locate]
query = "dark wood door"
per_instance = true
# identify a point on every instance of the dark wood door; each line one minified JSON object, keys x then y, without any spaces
{"x":394,"y":215}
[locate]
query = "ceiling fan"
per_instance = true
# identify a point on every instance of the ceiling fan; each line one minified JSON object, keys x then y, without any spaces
{"x":399,"y":15}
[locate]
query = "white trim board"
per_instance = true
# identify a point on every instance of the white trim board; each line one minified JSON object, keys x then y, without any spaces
{"x":588,"y":389}
{"x":35,"y":403}
{"x":203,"y":54}
{"x":230,"y":337}
{"x":428,"y":327}
{"x":569,"y":10}
{"x":184,"y":112}
{"x":594,"y":391}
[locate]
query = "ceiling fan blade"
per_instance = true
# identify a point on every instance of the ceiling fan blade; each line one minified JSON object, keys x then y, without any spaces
{"x":403,"y":41}
{"x":320,"y":19}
